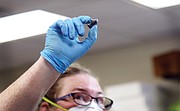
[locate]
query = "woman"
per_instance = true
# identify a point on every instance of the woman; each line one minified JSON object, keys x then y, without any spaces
{"x":75,"y":90}
{"x":62,"y":48}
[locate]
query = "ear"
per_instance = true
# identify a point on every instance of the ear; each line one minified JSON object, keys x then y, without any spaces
{"x":44,"y":106}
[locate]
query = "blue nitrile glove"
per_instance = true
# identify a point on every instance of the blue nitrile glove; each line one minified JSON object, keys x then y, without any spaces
{"x":62,"y":46}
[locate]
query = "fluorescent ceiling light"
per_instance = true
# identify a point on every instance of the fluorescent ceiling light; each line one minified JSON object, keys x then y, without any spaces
{"x":26,"y":24}
{"x":156,"y":4}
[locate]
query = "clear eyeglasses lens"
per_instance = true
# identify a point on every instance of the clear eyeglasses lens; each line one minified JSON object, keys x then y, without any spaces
{"x":85,"y":99}
{"x":82,"y":99}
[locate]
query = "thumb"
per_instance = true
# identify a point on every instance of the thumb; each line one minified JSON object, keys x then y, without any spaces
{"x":92,"y":36}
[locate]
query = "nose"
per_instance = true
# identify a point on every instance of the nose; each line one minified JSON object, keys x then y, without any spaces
{"x":90,"y":109}
{"x":93,"y":107}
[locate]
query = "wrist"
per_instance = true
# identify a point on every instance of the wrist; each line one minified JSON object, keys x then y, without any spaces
{"x":60,"y":64}
{"x":47,"y":66}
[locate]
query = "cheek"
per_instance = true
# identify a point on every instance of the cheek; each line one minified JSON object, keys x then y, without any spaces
{"x":66,"y":104}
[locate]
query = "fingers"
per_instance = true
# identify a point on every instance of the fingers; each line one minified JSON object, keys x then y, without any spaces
{"x":79,"y":23}
{"x":72,"y":27}
{"x":61,"y":27}
{"x":92,"y":36}
{"x":79,"y":26}
{"x":85,"y":19}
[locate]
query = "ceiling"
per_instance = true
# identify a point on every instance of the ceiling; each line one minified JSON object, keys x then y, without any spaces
{"x":122,"y":23}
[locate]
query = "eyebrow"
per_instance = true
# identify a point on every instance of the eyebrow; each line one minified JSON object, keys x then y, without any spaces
{"x":85,"y":90}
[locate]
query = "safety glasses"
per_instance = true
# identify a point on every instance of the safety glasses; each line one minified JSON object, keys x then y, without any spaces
{"x":86,"y":99}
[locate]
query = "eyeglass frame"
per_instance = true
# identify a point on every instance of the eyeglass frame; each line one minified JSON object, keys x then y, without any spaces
{"x":96,"y":98}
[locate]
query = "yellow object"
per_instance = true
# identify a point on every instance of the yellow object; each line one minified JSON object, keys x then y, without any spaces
{"x":54,"y":104}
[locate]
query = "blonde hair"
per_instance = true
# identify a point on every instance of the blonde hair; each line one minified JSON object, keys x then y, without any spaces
{"x":74,"y":69}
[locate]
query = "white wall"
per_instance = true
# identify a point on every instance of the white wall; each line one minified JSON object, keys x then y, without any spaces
{"x":115,"y":66}
{"x":129,"y":64}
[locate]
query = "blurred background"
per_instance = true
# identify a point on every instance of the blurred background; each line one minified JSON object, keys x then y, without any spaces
{"x":136,"y":56}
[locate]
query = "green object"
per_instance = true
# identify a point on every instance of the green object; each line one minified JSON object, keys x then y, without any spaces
{"x":174,"y":107}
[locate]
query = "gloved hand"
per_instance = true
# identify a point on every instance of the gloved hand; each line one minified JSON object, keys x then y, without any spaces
{"x":62,"y":46}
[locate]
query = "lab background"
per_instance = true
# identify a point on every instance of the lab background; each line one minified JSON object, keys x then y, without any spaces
{"x":128,"y":57}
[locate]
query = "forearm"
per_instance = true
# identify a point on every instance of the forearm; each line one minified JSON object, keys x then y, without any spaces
{"x":25,"y":93}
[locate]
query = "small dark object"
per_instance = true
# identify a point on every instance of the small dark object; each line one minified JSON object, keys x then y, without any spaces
{"x":94,"y":22}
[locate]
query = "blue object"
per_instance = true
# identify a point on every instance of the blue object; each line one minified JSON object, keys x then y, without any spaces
{"x":62,"y":46}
